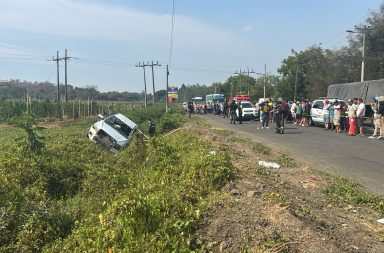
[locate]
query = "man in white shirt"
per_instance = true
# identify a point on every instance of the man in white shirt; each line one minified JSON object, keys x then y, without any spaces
{"x":293,"y":112}
{"x":360,"y":113}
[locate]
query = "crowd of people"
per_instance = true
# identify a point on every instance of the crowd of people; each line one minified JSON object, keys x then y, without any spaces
{"x":337,"y":116}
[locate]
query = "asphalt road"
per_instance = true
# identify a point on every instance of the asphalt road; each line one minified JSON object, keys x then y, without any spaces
{"x":355,"y":157}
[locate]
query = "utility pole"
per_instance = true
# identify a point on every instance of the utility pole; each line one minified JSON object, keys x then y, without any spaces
{"x":297,"y":73}
{"x":239,"y":73}
{"x":153,"y":79}
{"x":145,"y":82}
{"x":265,"y":77}
{"x":57,"y":59}
{"x":166,"y":91}
{"x":66,"y":58}
{"x":362,"y":30}
{"x":249,"y":72}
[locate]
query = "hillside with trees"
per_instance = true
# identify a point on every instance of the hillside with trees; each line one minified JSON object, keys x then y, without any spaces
{"x":16,"y":89}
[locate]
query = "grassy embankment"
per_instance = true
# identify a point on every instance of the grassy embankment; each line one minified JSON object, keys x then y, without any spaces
{"x":75,"y":196}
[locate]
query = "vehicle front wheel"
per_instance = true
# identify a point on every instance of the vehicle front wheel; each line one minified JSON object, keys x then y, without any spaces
{"x":311,"y":122}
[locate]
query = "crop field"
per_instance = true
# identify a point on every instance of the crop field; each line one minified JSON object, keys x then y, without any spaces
{"x":50,"y":111}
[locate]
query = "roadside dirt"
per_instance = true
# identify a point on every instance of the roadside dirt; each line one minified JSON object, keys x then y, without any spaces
{"x":282,"y":210}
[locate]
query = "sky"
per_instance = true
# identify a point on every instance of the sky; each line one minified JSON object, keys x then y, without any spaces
{"x":212,"y":39}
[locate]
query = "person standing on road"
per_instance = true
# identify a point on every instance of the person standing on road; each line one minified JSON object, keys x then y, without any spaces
{"x":293,"y":112}
{"x":299,"y":109}
{"x":360,"y":113}
{"x":271,"y":110}
{"x":352,"y":117}
{"x":376,"y":119}
{"x":325,"y":113}
{"x":240,"y":110}
{"x":190,"y":108}
{"x":265,"y":112}
{"x":279,"y":118}
{"x":306,"y":112}
{"x":381,"y":112}
{"x":232,"y":111}
{"x":225,"y":110}
{"x":331,"y":116}
{"x":343,"y":119}
{"x":337,"y":115}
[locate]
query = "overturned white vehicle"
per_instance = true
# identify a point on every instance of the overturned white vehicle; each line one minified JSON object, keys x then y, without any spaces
{"x":113,"y":132}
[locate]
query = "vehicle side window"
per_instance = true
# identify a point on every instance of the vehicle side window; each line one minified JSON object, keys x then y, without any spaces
{"x":318,"y":105}
{"x":119,"y":126}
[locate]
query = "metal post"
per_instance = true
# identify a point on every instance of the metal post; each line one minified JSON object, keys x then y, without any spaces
{"x":362,"y":62}
{"x":153,"y":84}
{"x":145,"y":89}
{"x":248,"y":80}
{"x":65,"y":79}
{"x":58,"y":78}
{"x":297,"y":73}
{"x":166,"y":91}
{"x":265,"y":77}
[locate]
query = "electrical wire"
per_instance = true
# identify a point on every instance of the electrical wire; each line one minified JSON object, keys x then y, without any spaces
{"x":103,"y":62}
{"x":27,"y":57}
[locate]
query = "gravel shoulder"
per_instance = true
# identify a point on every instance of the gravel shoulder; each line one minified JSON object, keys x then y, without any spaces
{"x":358,"y":158}
{"x":296,"y":208}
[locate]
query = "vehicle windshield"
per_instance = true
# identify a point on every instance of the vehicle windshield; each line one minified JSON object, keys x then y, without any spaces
{"x":246,"y":105}
{"x":119,"y":126}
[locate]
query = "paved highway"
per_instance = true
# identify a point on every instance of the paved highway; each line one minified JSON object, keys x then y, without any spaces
{"x":357,"y":158}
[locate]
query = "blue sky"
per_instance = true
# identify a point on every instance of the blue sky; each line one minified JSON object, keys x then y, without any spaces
{"x":212,"y":39}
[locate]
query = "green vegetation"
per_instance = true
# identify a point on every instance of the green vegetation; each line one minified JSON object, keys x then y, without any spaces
{"x":274,"y":195}
{"x":262,"y":171}
{"x":46,"y":110}
{"x":275,"y":243}
{"x":287,"y":161}
{"x":77,"y":197}
{"x":346,"y":191}
{"x":261,"y":148}
{"x":34,"y":143}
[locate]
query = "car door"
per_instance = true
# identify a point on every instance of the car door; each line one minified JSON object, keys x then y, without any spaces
{"x":316,"y":111}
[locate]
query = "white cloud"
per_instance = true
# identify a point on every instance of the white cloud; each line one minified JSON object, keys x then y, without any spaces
{"x":80,"y":19}
{"x":247,"y":28}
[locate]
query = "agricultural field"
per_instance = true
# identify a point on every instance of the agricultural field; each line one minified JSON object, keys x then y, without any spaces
{"x":51,"y":111}
{"x":197,"y":190}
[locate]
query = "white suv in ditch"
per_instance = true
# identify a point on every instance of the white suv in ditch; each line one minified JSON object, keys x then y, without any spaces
{"x":113,"y":132}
